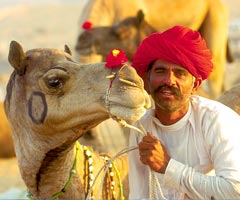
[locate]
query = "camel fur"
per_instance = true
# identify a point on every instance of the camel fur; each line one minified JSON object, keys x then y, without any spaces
{"x":231,"y":98}
{"x":210,"y":17}
{"x":52,"y":101}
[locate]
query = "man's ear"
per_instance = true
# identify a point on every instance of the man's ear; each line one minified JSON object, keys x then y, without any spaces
{"x":196,"y":84}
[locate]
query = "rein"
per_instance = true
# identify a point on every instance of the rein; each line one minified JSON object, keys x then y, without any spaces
{"x":112,"y":77}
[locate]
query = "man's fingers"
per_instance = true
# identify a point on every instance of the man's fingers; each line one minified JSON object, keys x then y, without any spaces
{"x":149,"y":138}
{"x":143,"y":146}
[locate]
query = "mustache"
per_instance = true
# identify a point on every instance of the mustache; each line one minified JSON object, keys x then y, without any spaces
{"x":173,"y":89}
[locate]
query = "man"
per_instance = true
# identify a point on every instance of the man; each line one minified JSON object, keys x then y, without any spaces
{"x":188,"y":137}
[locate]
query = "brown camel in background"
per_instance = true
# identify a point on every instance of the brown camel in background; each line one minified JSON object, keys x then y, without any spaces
{"x":6,"y":141}
{"x":231,"y":98}
{"x":210,"y":17}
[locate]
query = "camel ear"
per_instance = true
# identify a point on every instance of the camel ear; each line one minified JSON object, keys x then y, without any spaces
{"x":140,"y":16}
{"x":16,"y":57}
{"x":123,"y":31}
{"x":67,"y":49}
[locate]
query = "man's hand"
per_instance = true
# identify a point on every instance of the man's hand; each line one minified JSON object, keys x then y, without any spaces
{"x":153,"y":153}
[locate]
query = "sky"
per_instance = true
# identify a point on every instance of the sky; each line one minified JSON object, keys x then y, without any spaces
{"x":9,"y":3}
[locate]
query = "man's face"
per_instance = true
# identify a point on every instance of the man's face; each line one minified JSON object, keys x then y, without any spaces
{"x":170,"y":85}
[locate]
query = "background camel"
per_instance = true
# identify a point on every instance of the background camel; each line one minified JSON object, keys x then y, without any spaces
{"x":6,"y":141}
{"x":51,"y":101}
{"x":208,"y":16}
{"x":126,"y":34}
{"x":231,"y":98}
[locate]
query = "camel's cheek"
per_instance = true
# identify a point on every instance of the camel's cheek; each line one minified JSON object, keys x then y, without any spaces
{"x":37,"y":107}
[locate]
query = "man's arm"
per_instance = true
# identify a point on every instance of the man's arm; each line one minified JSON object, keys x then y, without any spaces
{"x":226,"y":183}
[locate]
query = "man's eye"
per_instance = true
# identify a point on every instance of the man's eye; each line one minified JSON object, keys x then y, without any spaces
{"x":159,"y":70}
{"x":55,"y":83}
{"x":180,"y":74}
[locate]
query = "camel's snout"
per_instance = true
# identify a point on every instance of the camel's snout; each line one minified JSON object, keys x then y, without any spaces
{"x":129,"y":77}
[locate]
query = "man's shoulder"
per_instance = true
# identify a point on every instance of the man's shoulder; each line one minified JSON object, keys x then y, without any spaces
{"x":205,"y":105}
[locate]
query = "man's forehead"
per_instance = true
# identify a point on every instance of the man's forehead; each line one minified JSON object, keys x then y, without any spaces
{"x":166,"y":64}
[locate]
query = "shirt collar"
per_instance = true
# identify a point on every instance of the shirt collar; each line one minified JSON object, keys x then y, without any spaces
{"x":187,"y":117}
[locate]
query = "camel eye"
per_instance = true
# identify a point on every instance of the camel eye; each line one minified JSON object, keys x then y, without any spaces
{"x":55,"y":83}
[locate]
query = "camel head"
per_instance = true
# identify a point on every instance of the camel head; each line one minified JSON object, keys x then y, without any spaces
{"x":49,"y":93}
{"x":126,"y":35}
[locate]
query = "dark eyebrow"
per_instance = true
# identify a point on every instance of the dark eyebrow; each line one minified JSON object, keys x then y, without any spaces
{"x":182,"y":69}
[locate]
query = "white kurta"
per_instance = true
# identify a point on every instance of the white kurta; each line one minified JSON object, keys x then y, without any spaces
{"x":207,"y":138}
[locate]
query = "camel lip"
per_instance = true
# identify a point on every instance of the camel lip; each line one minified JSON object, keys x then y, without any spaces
{"x":136,"y":113}
{"x":129,"y":82}
{"x":119,"y":104}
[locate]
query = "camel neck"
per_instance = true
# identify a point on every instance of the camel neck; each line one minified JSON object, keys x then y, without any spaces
{"x":71,"y":175}
{"x":55,"y":167}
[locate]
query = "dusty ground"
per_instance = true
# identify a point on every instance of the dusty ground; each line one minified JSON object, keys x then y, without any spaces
{"x":10,"y":175}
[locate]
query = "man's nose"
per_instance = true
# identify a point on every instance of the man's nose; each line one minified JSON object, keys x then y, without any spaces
{"x":170,"y":78}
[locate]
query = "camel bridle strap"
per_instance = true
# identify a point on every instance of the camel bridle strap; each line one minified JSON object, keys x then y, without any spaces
{"x":113,"y":75}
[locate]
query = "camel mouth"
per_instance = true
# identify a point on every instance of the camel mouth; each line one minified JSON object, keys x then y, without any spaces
{"x":128,"y":114}
{"x":129,"y":82}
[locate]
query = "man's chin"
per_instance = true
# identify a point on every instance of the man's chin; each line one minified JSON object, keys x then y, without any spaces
{"x":167,"y":105}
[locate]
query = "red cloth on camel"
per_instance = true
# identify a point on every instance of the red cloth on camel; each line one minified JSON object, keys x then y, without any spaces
{"x":179,"y":45}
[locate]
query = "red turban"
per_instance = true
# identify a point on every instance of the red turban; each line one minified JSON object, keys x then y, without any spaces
{"x":179,"y":45}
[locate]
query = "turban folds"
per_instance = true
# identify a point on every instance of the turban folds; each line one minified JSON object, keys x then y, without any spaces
{"x":179,"y":45}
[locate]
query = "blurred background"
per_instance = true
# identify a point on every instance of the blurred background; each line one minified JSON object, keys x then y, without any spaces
{"x":53,"y":24}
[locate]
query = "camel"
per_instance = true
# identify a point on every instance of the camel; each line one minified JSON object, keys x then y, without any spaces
{"x":126,"y":35}
{"x":231,"y":98}
{"x":6,"y":141}
{"x":210,"y":17}
{"x":52,"y":101}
